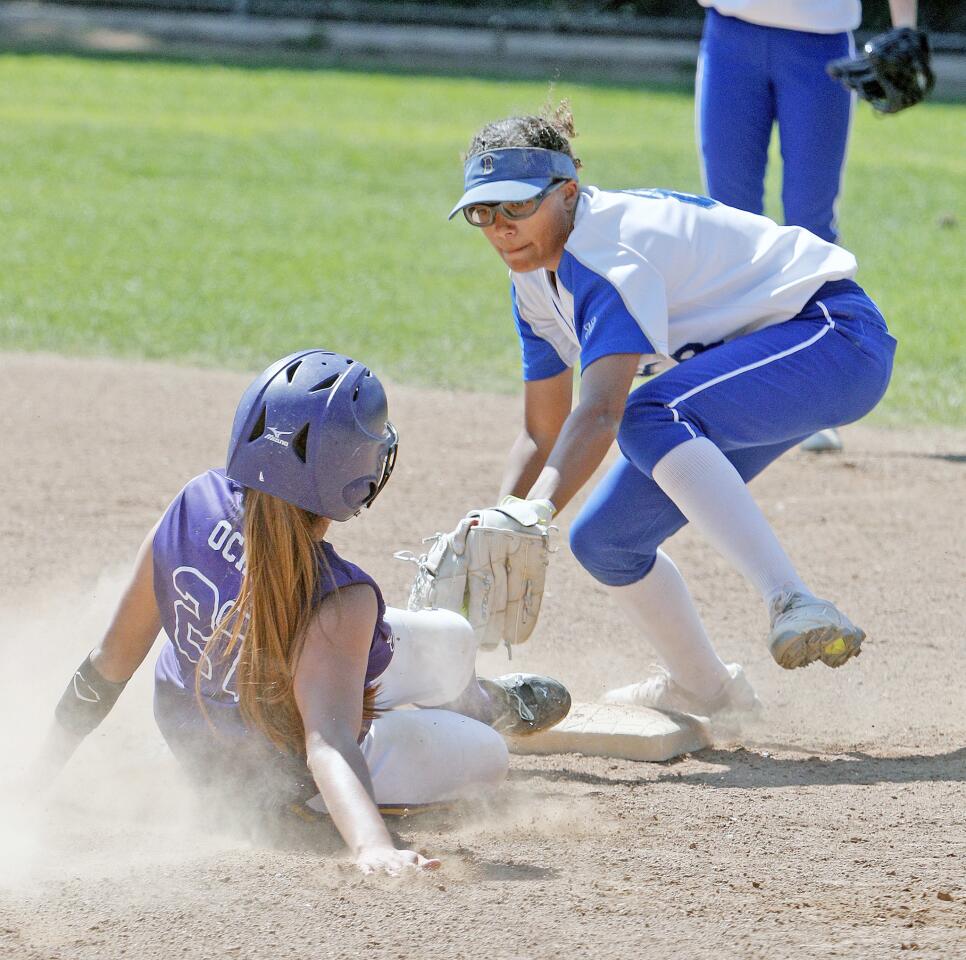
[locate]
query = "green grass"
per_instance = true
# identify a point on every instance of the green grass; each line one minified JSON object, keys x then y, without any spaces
{"x":224,"y":216}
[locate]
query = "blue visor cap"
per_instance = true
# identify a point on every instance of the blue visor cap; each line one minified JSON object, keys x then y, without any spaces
{"x":512,"y":174}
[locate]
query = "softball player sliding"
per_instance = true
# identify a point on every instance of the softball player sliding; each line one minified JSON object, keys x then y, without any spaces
{"x":762,"y":62}
{"x":772,"y":339}
{"x":282,"y":663}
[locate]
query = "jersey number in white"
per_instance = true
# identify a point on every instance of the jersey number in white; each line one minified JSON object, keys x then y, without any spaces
{"x":197,"y":615}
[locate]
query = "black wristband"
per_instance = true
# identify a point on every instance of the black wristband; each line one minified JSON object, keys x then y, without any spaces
{"x":87,"y":700}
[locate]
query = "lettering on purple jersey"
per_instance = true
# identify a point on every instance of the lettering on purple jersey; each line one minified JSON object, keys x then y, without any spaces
{"x":227,"y":541}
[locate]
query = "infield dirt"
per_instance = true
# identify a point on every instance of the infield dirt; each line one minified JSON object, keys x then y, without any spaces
{"x":835,"y":826}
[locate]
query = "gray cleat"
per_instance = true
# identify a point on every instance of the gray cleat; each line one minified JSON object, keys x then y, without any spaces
{"x":532,"y":703}
{"x":805,"y":629}
{"x":824,"y":441}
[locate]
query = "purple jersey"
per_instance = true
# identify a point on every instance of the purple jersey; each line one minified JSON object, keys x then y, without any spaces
{"x":198,"y":566}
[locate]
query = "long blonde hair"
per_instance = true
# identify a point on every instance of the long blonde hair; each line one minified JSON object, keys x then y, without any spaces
{"x":270,"y":616}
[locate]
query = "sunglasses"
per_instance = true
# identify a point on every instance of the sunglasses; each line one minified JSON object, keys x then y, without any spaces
{"x":483,"y":214}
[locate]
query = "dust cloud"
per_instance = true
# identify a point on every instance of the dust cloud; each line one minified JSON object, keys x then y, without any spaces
{"x":121,"y":800}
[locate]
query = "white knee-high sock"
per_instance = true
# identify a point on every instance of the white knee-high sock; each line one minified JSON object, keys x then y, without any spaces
{"x":708,"y":490}
{"x":661,"y":606}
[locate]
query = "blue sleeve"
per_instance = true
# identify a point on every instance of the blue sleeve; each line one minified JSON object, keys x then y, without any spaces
{"x":540,"y":359}
{"x":603,"y":323}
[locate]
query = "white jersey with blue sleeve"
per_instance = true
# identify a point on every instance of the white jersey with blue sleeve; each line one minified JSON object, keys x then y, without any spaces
{"x":664,"y":274}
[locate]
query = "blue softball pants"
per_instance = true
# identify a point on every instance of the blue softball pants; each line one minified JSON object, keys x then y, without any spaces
{"x":750,"y":76}
{"x":754,"y":398}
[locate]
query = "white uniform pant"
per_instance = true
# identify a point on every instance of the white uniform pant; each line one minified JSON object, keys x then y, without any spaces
{"x":424,"y":756}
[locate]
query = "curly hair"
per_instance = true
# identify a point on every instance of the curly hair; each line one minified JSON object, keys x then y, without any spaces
{"x":552,"y":129}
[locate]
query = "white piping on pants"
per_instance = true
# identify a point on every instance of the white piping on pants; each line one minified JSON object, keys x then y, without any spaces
{"x":830,"y":325}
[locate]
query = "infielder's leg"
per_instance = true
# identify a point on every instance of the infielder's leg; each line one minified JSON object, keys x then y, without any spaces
{"x":616,"y":537}
{"x":828,"y":366}
{"x":739,"y":412}
{"x":686,"y":430}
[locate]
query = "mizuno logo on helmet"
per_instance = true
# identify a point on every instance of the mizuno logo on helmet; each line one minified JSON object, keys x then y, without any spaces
{"x":275,"y":435}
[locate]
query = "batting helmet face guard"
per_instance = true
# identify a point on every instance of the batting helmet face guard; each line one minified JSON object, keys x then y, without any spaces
{"x":313,"y":430}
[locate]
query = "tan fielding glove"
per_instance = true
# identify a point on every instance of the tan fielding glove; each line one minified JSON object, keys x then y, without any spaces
{"x":491,"y":568}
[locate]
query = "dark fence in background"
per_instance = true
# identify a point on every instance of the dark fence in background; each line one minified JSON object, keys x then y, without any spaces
{"x":937,"y":15}
{"x":656,"y":18}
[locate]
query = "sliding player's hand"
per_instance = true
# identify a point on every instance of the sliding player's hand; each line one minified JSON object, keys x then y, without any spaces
{"x":393,"y":862}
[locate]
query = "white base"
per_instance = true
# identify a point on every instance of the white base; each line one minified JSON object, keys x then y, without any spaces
{"x":623,"y":732}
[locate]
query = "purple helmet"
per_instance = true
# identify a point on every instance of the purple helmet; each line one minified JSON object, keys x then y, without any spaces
{"x":313,"y":430}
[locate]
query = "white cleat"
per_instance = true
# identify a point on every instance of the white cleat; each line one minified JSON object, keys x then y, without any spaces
{"x":825,"y":441}
{"x":660,"y":692}
{"x":805,"y":629}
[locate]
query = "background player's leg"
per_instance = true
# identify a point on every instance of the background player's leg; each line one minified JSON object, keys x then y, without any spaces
{"x":734,"y":111}
{"x":814,"y":116}
{"x":814,"y":119}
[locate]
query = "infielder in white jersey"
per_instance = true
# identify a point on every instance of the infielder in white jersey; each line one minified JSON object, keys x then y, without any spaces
{"x":766,"y":338}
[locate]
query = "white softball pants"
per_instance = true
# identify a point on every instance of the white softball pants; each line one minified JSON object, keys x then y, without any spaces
{"x":425,"y":756}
